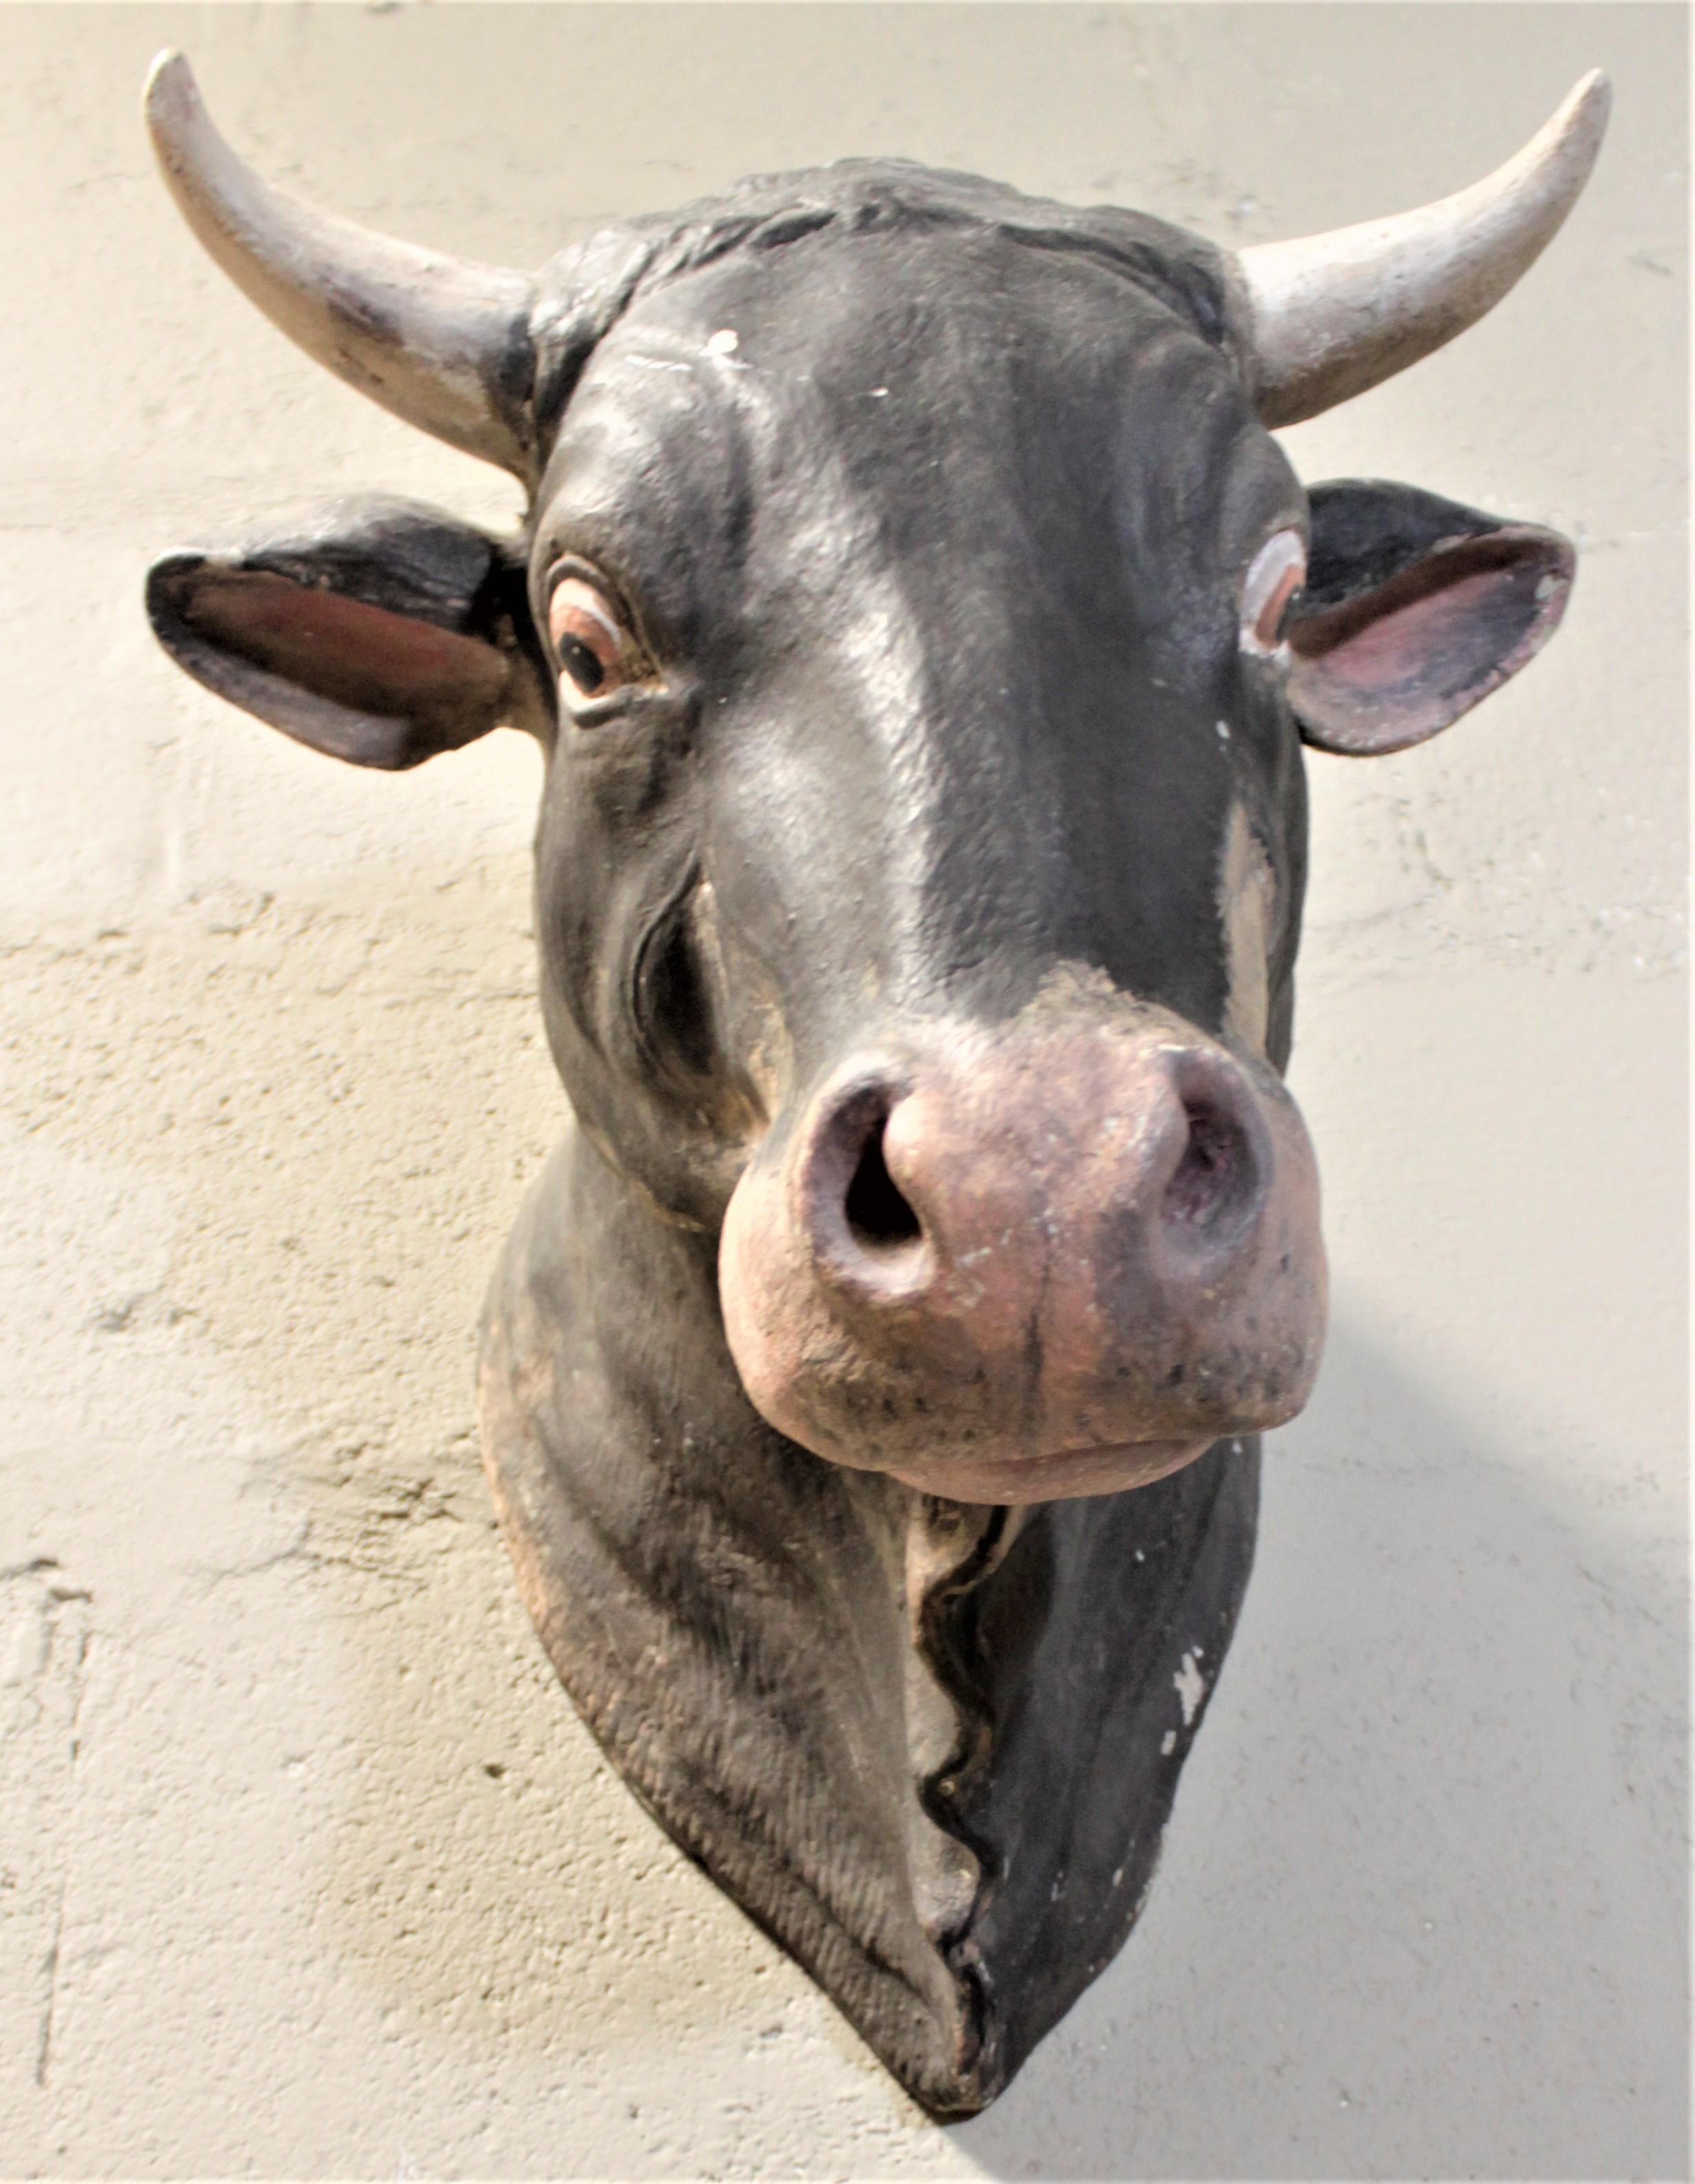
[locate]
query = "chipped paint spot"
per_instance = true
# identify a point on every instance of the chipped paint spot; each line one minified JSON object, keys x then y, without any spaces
{"x":1223,"y":729}
{"x":1190,"y":1686}
{"x":1246,"y":896}
{"x":1168,"y":1743}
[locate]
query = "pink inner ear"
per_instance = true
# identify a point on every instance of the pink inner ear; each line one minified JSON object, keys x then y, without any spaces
{"x":366,"y":658}
{"x":1409,"y":647}
{"x":1395,"y":665}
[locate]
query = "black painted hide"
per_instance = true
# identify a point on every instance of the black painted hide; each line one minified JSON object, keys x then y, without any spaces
{"x":939,"y":538}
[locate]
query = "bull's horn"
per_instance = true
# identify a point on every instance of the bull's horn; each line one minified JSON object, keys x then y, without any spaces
{"x":1334,"y":314}
{"x":442,"y":342}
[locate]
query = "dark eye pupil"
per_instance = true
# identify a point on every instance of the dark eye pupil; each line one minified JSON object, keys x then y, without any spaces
{"x":580,"y":664}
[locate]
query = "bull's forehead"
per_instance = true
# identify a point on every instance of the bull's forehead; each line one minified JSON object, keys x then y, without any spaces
{"x":947,"y":532}
{"x":789,"y":415}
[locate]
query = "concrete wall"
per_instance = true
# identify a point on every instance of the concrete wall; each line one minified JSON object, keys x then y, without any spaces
{"x":305,"y":1866}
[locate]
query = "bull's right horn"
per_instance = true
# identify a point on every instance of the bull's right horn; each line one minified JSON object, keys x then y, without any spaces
{"x":442,"y":342}
{"x":1332,"y":314}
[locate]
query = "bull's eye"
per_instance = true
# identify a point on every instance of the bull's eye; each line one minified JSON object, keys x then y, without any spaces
{"x":597,"y":651}
{"x":1275,"y":576}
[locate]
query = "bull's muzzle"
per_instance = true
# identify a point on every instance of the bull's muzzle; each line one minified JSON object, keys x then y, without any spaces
{"x":1060,"y":1258}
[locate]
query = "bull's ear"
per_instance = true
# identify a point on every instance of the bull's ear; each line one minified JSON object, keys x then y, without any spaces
{"x":375,"y":630}
{"x":1415,"y":608}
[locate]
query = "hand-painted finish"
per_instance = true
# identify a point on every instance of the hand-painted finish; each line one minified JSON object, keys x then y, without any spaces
{"x":921,"y":628}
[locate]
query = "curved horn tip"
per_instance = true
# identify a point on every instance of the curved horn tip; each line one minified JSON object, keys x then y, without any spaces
{"x":170,"y":84}
{"x":441,"y":343}
{"x":173,"y":109}
{"x":1592,"y":96}
{"x":1336,"y":313}
{"x":1577,"y":124}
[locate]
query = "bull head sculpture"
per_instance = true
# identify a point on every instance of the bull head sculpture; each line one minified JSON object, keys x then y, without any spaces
{"x":922,"y":626}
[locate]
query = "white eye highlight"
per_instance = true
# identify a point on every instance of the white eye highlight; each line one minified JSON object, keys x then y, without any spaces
{"x":1274,"y":575}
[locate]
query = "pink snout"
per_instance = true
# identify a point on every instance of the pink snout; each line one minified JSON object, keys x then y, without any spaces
{"x":1009,"y":1267}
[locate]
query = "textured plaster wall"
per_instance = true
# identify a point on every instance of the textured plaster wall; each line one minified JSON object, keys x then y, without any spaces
{"x":305,"y":1866}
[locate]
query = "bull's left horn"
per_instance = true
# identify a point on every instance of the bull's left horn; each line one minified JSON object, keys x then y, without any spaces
{"x":442,"y":342}
{"x":1332,"y":314}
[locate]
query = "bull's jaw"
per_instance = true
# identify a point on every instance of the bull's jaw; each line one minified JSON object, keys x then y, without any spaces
{"x":730,"y":1615}
{"x":848,"y":1701}
{"x":1060,"y":1475}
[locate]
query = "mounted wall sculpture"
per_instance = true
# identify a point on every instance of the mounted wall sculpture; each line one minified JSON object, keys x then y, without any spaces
{"x":922,"y":626}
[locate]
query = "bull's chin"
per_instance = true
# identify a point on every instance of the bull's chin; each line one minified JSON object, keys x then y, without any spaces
{"x":1064,"y":1476}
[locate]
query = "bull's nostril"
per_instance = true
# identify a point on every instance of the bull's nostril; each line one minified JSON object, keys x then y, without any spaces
{"x":878,"y":1216}
{"x":1215,"y":1177}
